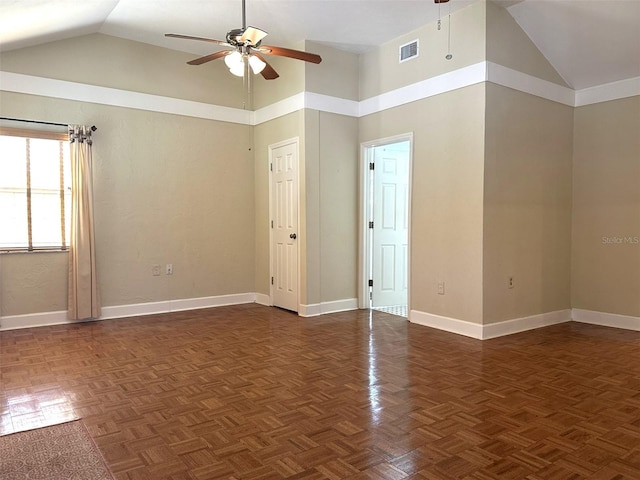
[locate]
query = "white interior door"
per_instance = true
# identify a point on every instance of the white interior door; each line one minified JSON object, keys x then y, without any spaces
{"x":284,"y":238}
{"x":390,"y":225}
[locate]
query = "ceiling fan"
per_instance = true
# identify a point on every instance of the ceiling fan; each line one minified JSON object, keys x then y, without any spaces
{"x":247,"y":51}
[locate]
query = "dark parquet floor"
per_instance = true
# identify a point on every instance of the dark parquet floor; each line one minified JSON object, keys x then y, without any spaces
{"x":251,"y":392}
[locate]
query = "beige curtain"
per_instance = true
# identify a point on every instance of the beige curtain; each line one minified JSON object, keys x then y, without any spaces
{"x":84,"y":297}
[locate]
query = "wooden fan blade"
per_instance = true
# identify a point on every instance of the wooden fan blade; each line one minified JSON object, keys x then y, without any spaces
{"x":202,"y":39}
{"x":287,"y":52}
{"x":268,"y":73}
{"x":252,"y":35}
{"x":208,"y":58}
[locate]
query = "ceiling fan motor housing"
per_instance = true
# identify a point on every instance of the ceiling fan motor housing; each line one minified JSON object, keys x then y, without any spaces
{"x":233,"y":35}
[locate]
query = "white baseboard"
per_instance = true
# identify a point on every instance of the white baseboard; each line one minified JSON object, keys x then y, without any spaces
{"x":175,"y":305}
{"x":316,"y":309}
{"x":59,"y":318}
{"x":150,"y":308}
{"x":448,"y":324}
{"x":492,"y":330}
{"x":453,"y":325}
{"x":135,"y":309}
{"x":606,"y":319}
{"x":262,"y":299}
{"x":508,"y":327}
{"x":14,"y":322}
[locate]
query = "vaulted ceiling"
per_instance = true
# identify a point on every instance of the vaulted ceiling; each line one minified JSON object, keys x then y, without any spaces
{"x":589,"y":42}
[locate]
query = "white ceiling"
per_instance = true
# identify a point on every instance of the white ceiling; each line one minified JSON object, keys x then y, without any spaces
{"x":589,"y":42}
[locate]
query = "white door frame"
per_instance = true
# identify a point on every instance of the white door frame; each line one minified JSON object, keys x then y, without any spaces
{"x":272,"y":147}
{"x":365,"y":243}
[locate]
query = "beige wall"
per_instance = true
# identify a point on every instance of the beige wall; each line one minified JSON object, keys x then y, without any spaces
{"x":493,"y":183}
{"x":160,"y":180}
{"x":329,"y":202}
{"x":606,"y":208}
{"x":117,"y":63}
{"x":33,"y":283}
{"x":311,"y":288}
{"x":167,"y":189}
{"x":508,"y":45}
{"x":381,"y":72}
{"x":446,"y":222}
{"x":326,"y":170}
{"x":269,"y":133}
{"x":328,"y":181}
{"x":337,"y":75}
{"x":527,"y":205}
{"x":290,"y":82}
{"x":338,"y":193}
{"x":447,"y":183}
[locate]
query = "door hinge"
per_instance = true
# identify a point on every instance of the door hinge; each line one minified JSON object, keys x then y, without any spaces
{"x":370,"y":224}
{"x":271,"y":223}
{"x":371,"y":166}
{"x":271,"y":280}
{"x":271,"y":167}
{"x":371,"y":283}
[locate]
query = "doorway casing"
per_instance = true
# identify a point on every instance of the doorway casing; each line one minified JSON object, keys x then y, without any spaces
{"x":365,"y":241}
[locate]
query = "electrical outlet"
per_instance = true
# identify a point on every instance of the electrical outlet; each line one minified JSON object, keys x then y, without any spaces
{"x":510,"y":282}
{"x":155,"y":270}
{"x":169,"y":270}
{"x":440,"y":288}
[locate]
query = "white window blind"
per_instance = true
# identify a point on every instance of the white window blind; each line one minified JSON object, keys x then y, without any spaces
{"x":35,"y":190}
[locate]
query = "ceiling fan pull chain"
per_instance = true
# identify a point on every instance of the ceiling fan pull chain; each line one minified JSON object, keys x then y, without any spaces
{"x":449,"y":56}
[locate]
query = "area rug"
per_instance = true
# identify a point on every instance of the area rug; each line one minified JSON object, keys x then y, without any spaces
{"x":60,"y":452}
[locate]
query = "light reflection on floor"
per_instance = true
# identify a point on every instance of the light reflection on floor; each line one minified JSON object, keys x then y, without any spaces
{"x":374,"y":388}
{"x":22,"y":410}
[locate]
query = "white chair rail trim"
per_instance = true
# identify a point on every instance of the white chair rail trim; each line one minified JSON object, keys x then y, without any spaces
{"x":463,"y":77}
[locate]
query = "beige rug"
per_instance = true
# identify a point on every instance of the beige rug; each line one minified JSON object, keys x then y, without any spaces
{"x":59,"y":452}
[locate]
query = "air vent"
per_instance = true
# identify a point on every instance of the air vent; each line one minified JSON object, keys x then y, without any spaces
{"x":408,"y":51}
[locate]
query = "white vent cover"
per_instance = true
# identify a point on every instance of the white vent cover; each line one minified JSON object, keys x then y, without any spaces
{"x":408,"y":51}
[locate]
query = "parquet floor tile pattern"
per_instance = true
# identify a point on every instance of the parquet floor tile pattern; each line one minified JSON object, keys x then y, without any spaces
{"x":252,"y":392}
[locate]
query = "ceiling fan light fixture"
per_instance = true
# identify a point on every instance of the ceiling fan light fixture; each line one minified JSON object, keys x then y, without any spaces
{"x":256,"y":64}
{"x":238,"y":70}
{"x":233,"y":60}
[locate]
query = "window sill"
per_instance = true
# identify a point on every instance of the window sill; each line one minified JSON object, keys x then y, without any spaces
{"x":29,"y":252}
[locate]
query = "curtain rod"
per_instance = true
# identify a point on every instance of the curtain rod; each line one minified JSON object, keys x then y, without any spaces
{"x":93,"y":127}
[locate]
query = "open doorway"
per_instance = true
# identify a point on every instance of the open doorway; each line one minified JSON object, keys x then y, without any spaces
{"x":386,"y":180}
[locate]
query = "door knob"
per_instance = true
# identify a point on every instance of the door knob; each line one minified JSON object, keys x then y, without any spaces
{"x":293,"y":235}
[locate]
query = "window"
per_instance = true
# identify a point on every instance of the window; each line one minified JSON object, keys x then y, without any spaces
{"x":35,"y":190}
